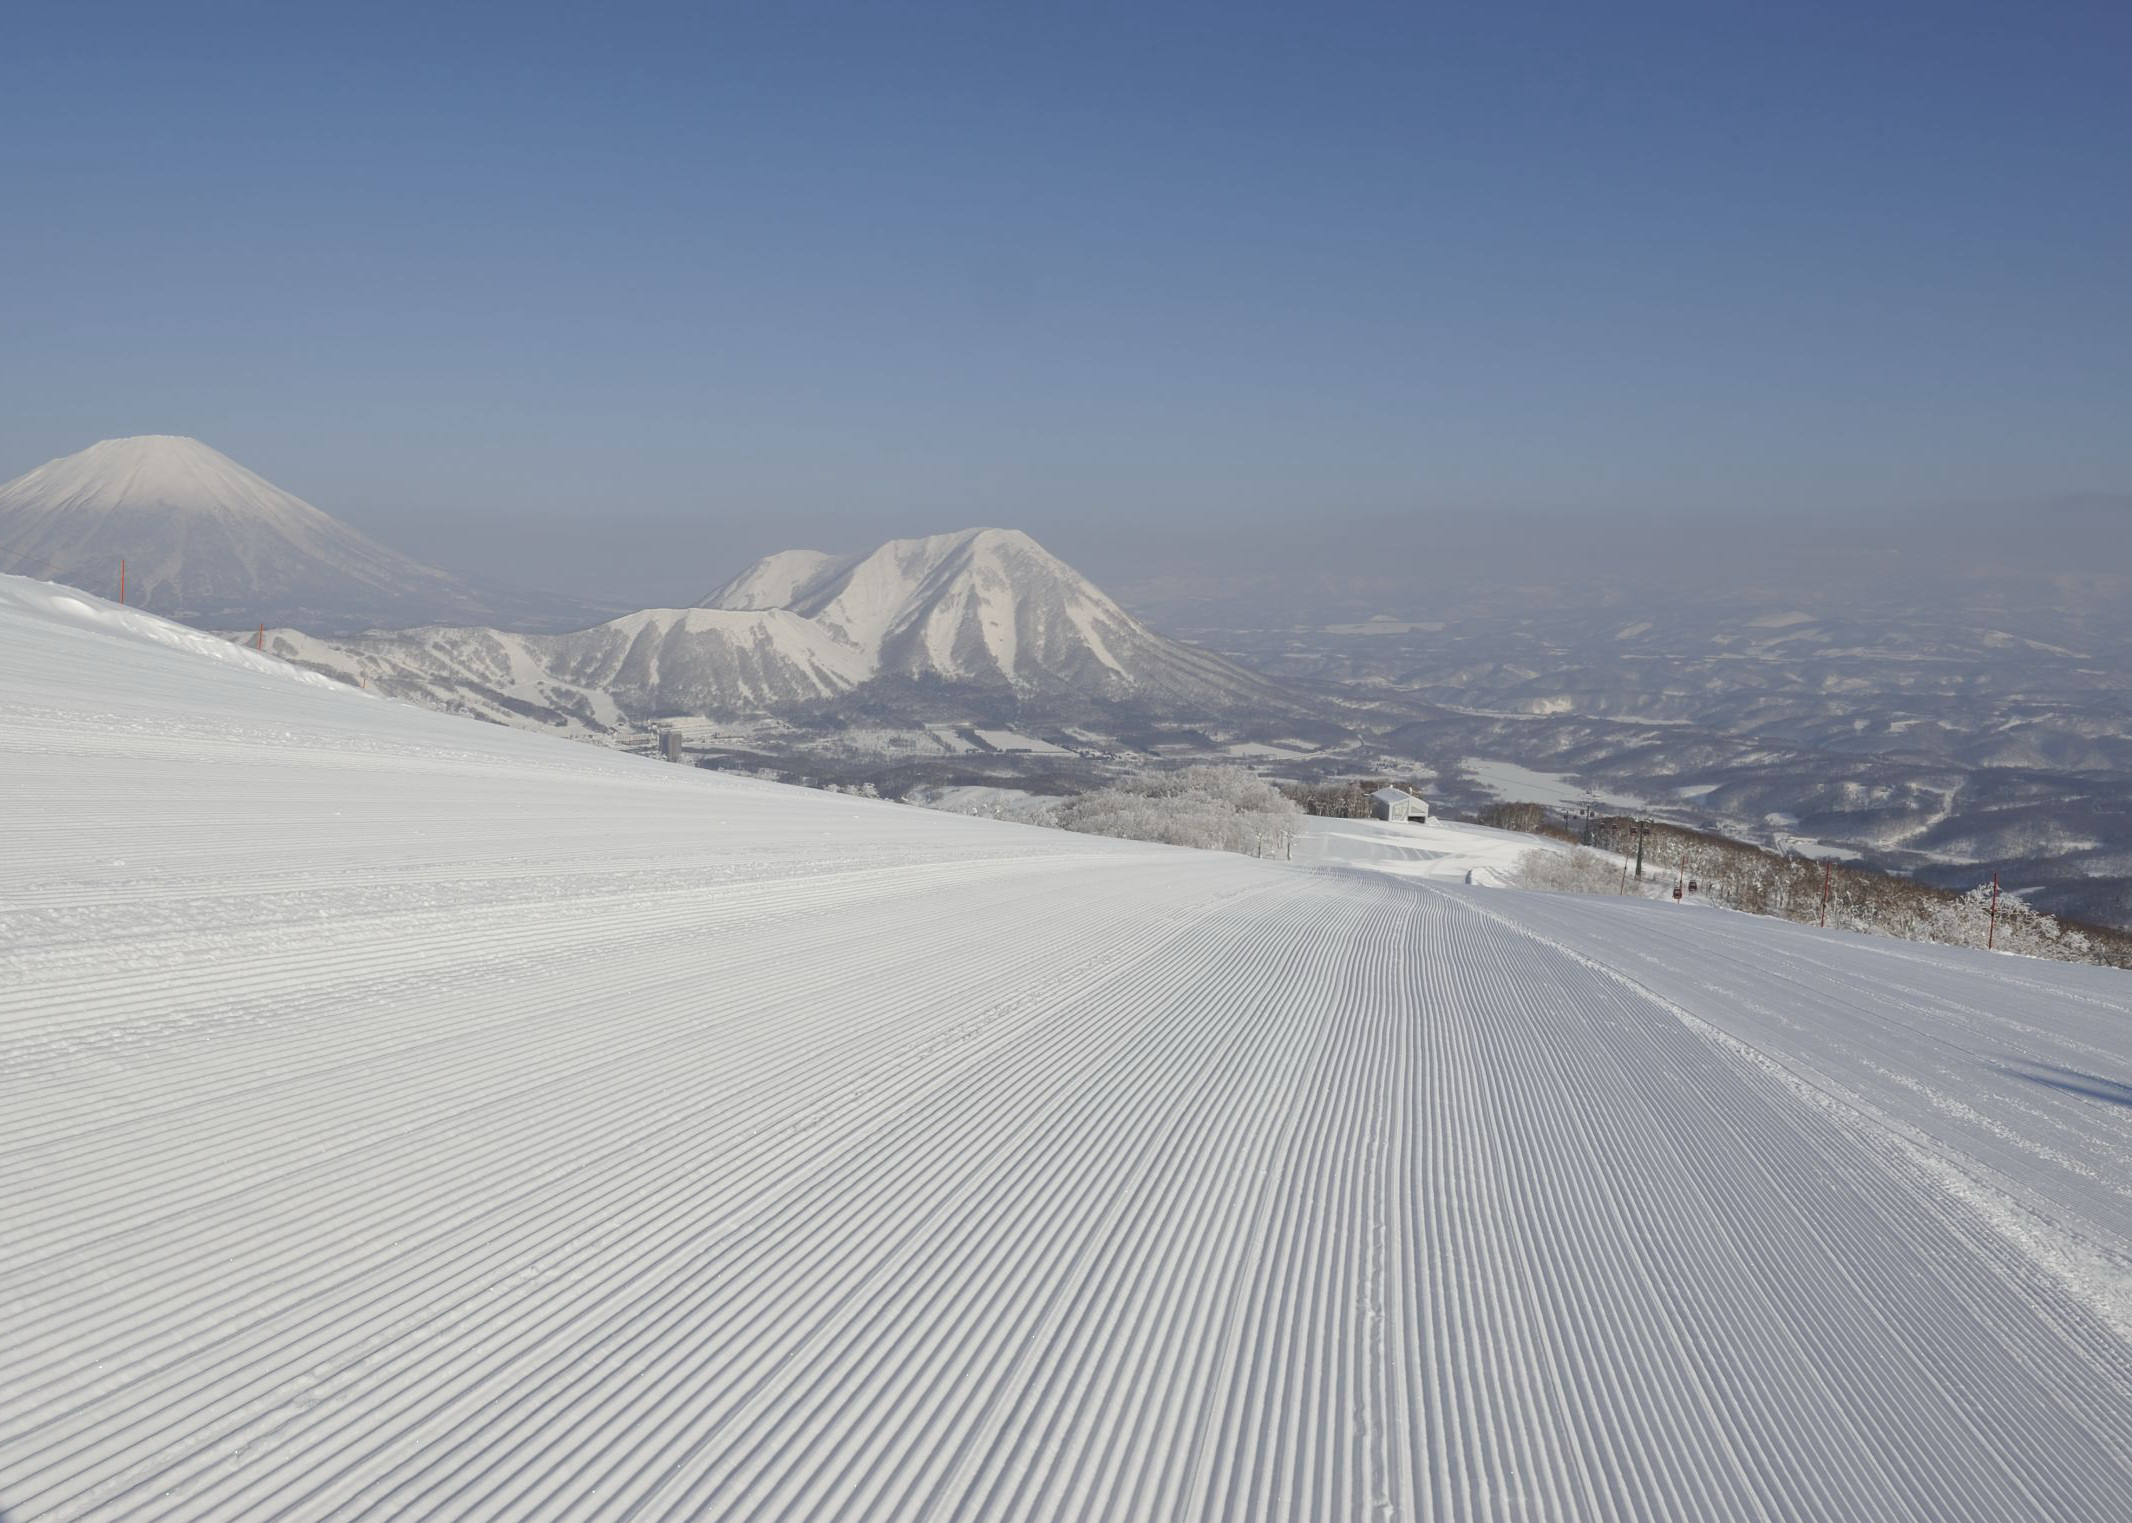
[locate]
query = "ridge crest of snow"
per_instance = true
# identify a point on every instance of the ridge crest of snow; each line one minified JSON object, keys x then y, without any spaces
{"x":973,"y":604}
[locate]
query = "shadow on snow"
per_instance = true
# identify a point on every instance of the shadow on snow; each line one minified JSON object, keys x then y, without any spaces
{"x":2071,"y":1081}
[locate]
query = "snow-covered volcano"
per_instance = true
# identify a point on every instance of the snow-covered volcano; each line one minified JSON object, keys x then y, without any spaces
{"x":209,"y":542}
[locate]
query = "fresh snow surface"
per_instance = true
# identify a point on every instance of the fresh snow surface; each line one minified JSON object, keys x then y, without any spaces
{"x":406,"y":1116}
{"x":1445,"y":851}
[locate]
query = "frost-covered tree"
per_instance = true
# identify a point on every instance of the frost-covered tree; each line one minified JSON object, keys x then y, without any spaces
{"x":1213,"y":808}
{"x":1739,"y":876}
{"x":1967,"y":921}
{"x":1513,"y":816}
{"x":1575,"y":871}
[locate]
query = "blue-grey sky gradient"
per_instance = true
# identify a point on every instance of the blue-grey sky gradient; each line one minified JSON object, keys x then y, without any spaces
{"x":614,"y":298}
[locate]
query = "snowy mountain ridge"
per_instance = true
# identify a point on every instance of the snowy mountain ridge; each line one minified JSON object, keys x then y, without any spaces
{"x":655,"y":662}
{"x":206,"y":541}
{"x":977,"y":605}
{"x":778,"y":580}
{"x":978,"y":611}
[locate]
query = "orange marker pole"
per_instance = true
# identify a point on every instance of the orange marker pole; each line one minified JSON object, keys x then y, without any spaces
{"x":261,"y":642}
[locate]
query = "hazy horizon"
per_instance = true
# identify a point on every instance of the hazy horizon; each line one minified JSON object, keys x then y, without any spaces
{"x":1318,"y":553}
{"x":614,"y":307}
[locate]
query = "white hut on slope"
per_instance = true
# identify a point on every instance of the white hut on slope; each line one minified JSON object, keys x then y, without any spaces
{"x":1398,"y":805}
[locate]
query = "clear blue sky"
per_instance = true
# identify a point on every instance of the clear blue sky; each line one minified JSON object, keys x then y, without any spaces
{"x":619,"y":297}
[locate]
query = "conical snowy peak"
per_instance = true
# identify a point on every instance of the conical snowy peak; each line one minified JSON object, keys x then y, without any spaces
{"x":155,"y":471}
{"x":205,"y":540}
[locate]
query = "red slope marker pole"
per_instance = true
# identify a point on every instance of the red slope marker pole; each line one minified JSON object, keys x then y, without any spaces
{"x":1826,"y":869}
{"x":1991,"y":933}
{"x":261,"y":642}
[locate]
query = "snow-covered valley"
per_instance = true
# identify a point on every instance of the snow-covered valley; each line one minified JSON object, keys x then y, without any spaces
{"x":1895,"y":716}
{"x":407,"y":1115}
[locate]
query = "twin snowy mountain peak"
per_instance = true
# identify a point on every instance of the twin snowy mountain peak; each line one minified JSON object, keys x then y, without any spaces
{"x":209,"y":542}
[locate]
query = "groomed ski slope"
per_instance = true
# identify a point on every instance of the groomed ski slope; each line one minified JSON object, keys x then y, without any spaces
{"x":409,"y":1117}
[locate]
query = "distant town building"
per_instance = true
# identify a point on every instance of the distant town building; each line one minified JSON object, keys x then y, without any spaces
{"x":670,"y":744}
{"x":1398,"y":805}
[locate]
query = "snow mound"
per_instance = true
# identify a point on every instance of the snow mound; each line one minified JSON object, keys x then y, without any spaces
{"x":45,"y":604}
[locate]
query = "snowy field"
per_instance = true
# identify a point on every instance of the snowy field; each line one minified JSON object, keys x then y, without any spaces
{"x":405,"y":1116}
{"x":1510,"y":782}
